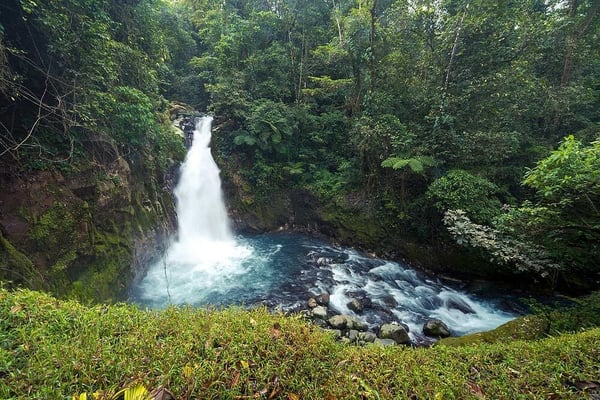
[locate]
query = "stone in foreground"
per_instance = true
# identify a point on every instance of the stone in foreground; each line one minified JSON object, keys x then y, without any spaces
{"x":397,"y":333}
{"x":436,"y":328}
{"x":320,"y":312}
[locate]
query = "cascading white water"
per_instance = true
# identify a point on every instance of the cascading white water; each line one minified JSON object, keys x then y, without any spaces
{"x":205,"y":253}
{"x":200,"y":208}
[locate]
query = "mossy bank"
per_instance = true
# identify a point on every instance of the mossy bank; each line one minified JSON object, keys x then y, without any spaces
{"x":51,"y":349}
{"x":82,"y":231}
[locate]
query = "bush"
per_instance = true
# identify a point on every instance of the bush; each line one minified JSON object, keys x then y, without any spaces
{"x":459,"y":189}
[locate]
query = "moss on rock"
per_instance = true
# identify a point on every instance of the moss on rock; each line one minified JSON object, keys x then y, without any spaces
{"x":15,"y":267}
{"x":529,"y":327}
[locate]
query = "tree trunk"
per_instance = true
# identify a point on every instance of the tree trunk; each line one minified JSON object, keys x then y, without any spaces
{"x":372,"y":46}
{"x":452,"y":55}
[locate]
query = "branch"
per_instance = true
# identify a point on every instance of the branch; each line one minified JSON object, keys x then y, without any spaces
{"x":452,"y":55}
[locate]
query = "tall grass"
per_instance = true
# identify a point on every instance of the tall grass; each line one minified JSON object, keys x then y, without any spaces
{"x":51,"y":349}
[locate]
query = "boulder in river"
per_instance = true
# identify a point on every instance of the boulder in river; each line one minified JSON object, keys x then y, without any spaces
{"x":355,"y":305}
{"x":312,"y":303}
{"x":322,"y":299}
{"x":459,"y":304}
{"x":398,"y":333}
{"x":436,"y":328}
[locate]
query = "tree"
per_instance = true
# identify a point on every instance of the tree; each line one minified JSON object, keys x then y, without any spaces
{"x":559,"y":231}
{"x":565,"y":216}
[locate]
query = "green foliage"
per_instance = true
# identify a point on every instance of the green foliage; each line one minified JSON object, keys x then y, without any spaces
{"x":270,"y":125}
{"x":520,"y":255}
{"x":570,"y":314}
{"x":16,"y":268}
{"x":565,"y":217}
{"x":52,"y":349}
{"x":473,"y":194}
{"x":129,"y":115}
{"x":328,"y":185}
{"x":306,"y":89}
{"x":416,"y":164}
{"x":569,"y":175}
{"x":85,"y":67}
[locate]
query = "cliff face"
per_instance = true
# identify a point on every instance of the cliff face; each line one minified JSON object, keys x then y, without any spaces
{"x":82,"y":232}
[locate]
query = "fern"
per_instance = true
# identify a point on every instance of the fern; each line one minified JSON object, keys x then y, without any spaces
{"x":416,"y":164}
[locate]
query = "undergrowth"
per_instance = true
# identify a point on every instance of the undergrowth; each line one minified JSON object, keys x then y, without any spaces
{"x":51,"y":349}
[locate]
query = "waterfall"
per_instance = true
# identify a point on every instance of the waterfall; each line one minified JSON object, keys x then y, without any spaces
{"x":205,"y":254}
{"x":201,"y":212}
{"x":204,"y":241}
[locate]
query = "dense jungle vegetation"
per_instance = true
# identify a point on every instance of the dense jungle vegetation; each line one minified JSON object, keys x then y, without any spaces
{"x":460,"y":122}
{"x":467,"y":128}
{"x":455,"y":121}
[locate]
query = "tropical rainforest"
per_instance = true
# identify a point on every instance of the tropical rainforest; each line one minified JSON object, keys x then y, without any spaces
{"x":460,"y":135}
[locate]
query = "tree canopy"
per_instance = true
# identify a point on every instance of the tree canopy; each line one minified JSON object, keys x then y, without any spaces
{"x":425,"y":106}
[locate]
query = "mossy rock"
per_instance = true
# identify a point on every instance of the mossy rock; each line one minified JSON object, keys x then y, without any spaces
{"x":353,"y":227}
{"x":529,"y":327}
{"x":16,"y":267}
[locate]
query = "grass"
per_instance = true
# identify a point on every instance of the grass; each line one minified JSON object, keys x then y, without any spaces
{"x":51,"y":349}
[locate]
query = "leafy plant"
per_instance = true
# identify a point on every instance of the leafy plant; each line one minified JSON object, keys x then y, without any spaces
{"x":502,"y":249}
{"x":459,"y":189}
{"x":416,"y":164}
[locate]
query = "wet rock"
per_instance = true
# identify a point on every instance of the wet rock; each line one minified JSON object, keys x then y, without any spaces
{"x":384,"y":342}
{"x":436,"y":328}
{"x":353,"y":335}
{"x":324,"y":261}
{"x":346,"y":322}
{"x":338,"y":322}
{"x":459,"y":304}
{"x":406,"y":328}
{"x":312,"y":303}
{"x":323,"y":299}
{"x":355,"y":305}
{"x":389,"y":301}
{"x":362,"y":297}
{"x":319,"y":312}
{"x":357,"y":324}
{"x":321,"y":323}
{"x":396,"y":332}
{"x":450,"y":280}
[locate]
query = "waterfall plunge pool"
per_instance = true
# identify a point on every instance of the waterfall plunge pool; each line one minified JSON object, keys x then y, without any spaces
{"x":282,"y":270}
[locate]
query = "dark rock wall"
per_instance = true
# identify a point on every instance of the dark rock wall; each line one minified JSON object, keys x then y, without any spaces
{"x":83,"y":233}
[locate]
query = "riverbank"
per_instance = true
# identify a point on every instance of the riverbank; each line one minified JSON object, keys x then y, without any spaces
{"x":55,"y":349}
